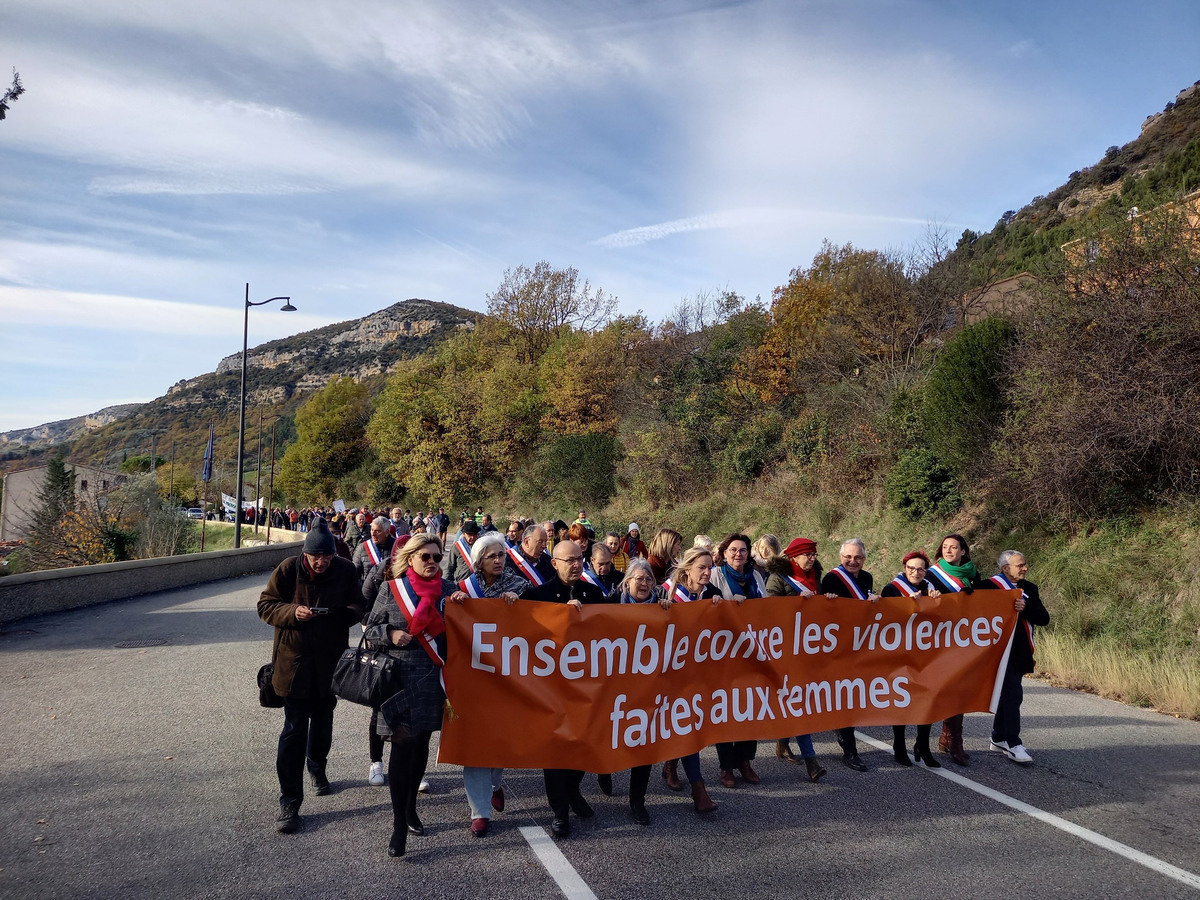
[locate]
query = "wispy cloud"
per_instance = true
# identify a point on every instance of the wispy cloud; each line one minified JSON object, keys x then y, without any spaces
{"x":741,"y":218}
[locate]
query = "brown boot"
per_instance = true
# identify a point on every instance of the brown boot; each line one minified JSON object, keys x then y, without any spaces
{"x":700,"y":798}
{"x":783,"y":750}
{"x":748,"y":774}
{"x":670,"y":773}
{"x":957,"y":752}
{"x":945,"y":740}
{"x":726,"y":778}
{"x":815,"y":769}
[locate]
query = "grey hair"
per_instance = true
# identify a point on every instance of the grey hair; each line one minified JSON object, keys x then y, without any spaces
{"x":532,"y":530}
{"x":382,"y":522}
{"x":1006,"y":558}
{"x":485,"y":542}
{"x":637,"y":564}
{"x":858,"y":542}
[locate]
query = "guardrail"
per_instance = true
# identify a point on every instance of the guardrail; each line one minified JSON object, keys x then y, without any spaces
{"x":55,"y":590}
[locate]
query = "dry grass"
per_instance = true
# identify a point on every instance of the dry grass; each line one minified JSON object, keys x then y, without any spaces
{"x":1169,"y":684}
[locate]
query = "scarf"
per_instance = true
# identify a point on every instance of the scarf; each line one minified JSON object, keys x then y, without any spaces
{"x":427,"y":619}
{"x":746,"y":585}
{"x":966,"y":573}
{"x":808,"y":579}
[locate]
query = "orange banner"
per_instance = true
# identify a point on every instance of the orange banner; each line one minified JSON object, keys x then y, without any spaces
{"x":604,"y":688}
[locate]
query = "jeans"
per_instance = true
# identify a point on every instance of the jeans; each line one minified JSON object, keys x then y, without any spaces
{"x":804,"y":742}
{"x":480,"y":783}
{"x":307,"y":735}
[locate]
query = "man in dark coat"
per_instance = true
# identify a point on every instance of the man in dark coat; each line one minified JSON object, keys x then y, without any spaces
{"x":529,"y":558}
{"x":380,"y":541}
{"x":567,"y":586}
{"x":312,"y":599}
{"x":456,"y":566}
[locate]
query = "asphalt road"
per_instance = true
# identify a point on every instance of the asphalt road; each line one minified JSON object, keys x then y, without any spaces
{"x":149,"y":772}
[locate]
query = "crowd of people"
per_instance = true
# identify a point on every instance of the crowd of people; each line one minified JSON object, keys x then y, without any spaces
{"x":394,"y":575}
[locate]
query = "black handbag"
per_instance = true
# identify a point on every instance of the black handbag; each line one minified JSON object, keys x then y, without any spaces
{"x":366,"y":676}
{"x":266,"y":690}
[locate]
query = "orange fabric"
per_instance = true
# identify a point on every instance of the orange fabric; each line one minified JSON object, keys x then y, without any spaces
{"x":608,"y":687}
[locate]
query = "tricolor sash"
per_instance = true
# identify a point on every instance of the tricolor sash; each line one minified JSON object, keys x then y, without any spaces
{"x":677,"y":593}
{"x":465,"y":551}
{"x":797,"y":586}
{"x":471,"y":586}
{"x":372,"y":551}
{"x":906,"y":589}
{"x":947,"y":578}
{"x":1002,"y":581}
{"x":407,"y":600}
{"x":592,"y":578}
{"x":524,"y":567}
{"x":851,"y":584}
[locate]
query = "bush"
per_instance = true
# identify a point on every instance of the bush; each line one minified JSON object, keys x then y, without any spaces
{"x":578,"y":469}
{"x":921,"y":485}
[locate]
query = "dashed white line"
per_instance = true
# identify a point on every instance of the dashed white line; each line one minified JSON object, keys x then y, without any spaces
{"x":552,"y":859}
{"x":1145,"y":859}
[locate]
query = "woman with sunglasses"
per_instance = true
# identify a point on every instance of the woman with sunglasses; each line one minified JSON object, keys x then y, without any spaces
{"x":491,"y":578}
{"x":407,"y":622}
{"x":912,"y":583}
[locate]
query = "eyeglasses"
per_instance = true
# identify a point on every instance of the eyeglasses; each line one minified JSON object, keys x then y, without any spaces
{"x":493,"y":556}
{"x":430,"y":557}
{"x":917,"y":568}
{"x":847,"y":556}
{"x":570,"y":560}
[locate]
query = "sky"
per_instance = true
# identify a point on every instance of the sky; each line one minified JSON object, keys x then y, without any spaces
{"x":350,"y":155}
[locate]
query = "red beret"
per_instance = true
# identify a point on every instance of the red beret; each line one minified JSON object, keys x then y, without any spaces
{"x":800,"y":545}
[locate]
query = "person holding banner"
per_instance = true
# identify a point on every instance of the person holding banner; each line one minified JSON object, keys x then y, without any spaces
{"x":688,"y":583}
{"x":851,"y":581}
{"x":953,"y":573}
{"x":407,"y":621}
{"x":490,"y":578}
{"x":1006,"y":727}
{"x":737,"y":579}
{"x":458,"y":561}
{"x":567,"y":586}
{"x":529,"y":558}
{"x":796,"y":572}
{"x":912,"y":583}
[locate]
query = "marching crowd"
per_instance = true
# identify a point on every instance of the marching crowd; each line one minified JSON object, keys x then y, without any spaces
{"x":394,"y":574}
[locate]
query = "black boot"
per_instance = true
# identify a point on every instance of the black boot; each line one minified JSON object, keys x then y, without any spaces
{"x":898,"y":748}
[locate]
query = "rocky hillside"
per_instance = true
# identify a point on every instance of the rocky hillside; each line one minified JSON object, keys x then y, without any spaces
{"x":64,"y":429}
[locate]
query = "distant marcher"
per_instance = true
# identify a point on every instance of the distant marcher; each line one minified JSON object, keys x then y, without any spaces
{"x":620,"y":558}
{"x":633,"y":544}
{"x":665,"y":549}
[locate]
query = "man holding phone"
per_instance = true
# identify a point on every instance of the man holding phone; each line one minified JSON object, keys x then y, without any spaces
{"x":312,"y":599}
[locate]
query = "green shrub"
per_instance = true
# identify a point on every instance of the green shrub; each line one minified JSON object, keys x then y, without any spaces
{"x":921,"y":484}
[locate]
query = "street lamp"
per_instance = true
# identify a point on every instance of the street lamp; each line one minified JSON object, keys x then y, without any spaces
{"x":287,"y":307}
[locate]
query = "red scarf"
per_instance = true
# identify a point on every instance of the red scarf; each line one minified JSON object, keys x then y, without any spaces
{"x":808,"y":579}
{"x":427,"y":618}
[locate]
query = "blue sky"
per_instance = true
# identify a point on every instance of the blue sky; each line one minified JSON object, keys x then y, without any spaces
{"x":355,"y":154}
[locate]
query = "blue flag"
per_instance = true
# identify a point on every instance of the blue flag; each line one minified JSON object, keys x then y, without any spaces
{"x":208,"y":456}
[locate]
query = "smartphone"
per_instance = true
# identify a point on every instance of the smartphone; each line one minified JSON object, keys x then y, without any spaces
{"x":318,"y":610}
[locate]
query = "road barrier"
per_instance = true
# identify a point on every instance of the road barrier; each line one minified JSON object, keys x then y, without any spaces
{"x":38,"y":593}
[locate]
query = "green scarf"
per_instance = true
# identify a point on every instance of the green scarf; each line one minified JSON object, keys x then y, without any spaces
{"x":965,"y":573}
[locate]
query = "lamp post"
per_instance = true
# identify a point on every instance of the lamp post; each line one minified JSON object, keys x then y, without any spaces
{"x":287,"y":307}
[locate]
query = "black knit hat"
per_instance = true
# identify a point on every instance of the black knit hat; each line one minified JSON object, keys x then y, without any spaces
{"x":320,"y":540}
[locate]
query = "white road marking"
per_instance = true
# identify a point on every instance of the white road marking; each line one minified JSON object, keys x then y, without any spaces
{"x":1150,"y":862}
{"x":552,"y":859}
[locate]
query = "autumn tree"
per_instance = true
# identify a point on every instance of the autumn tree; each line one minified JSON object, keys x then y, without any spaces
{"x":537,"y":304}
{"x":331,"y":440}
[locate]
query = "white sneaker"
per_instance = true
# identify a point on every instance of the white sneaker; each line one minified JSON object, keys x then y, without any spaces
{"x":1001,"y":746}
{"x":375,"y":776}
{"x":423,"y":787}
{"x":1019,"y":754}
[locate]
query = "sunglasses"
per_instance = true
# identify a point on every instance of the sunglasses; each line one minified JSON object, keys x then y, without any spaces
{"x":430,"y":557}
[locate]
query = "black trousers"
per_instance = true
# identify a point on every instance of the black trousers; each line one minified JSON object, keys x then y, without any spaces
{"x":307,"y":735}
{"x":561,"y":786}
{"x":846,"y":739}
{"x":639,"y":779}
{"x":732,"y":754}
{"x":406,"y":768}
{"x":374,"y":740}
{"x":1007,"y":724}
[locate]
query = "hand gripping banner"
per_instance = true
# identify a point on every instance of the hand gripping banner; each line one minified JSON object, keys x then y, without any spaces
{"x":607,"y":687}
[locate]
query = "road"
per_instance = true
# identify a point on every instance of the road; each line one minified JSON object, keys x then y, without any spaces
{"x":149,"y":772}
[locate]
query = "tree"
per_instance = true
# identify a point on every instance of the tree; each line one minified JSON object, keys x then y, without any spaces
{"x":48,"y":544}
{"x":537,"y":304}
{"x":10,"y":95}
{"x":330,"y":443}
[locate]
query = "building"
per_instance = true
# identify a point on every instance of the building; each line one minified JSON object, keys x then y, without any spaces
{"x":21,"y":491}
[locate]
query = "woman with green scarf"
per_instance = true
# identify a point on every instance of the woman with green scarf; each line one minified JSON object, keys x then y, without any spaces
{"x":954,"y":573}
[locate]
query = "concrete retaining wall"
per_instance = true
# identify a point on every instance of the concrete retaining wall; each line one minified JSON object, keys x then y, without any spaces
{"x":37,"y":593}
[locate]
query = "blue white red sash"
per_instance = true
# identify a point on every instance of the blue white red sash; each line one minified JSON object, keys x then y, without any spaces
{"x":592,"y":578}
{"x":906,"y":589}
{"x":798,"y":586}
{"x":464,"y":551}
{"x":372,"y":551}
{"x":851,"y":584}
{"x":1001,"y":581}
{"x":949,"y":580}
{"x":472,"y":586}
{"x":524,"y":567}
{"x":677,"y":593}
{"x":407,"y":600}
